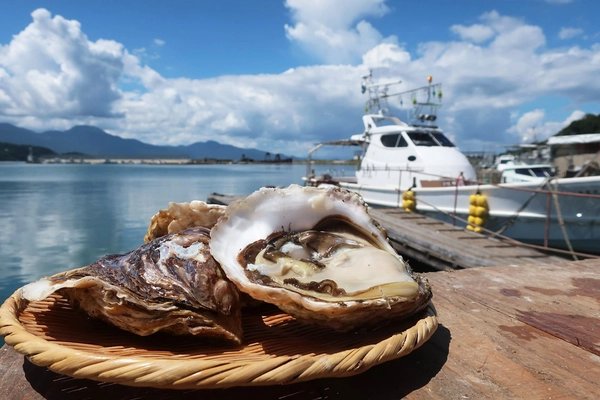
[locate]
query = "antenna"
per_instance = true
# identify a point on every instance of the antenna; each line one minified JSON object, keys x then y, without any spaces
{"x":377,"y":93}
{"x":424,"y":112}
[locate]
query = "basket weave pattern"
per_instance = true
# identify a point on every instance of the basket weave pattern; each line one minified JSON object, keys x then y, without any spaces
{"x":277,"y":349}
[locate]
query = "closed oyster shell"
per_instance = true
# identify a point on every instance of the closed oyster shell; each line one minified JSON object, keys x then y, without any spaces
{"x":179,"y":216}
{"x":318,"y":255}
{"x":171,"y":284}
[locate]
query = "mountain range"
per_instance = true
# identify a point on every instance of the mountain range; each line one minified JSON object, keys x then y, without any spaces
{"x":96,"y":142}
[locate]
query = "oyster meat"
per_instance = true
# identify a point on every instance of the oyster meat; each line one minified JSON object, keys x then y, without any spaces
{"x":171,"y":284}
{"x":318,"y":255}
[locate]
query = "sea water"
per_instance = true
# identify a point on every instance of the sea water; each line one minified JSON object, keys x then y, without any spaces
{"x":57,"y":217}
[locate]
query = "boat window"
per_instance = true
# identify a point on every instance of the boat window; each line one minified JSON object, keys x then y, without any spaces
{"x":542,"y":172}
{"x":523,"y":171}
{"x":393,"y":140}
{"x":444,"y":141}
{"x":421,"y":138}
{"x":390,"y":140}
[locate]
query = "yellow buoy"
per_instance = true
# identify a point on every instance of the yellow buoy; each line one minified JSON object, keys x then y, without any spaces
{"x":472,"y":210}
{"x":409,"y":201}
{"x":408,"y":195}
{"x":479,"y":211}
{"x":473,"y":199}
{"x":482,"y":201}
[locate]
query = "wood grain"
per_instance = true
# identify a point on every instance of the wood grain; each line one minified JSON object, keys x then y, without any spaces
{"x":444,"y":246}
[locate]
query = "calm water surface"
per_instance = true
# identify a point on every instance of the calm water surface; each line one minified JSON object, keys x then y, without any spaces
{"x":58,"y":217}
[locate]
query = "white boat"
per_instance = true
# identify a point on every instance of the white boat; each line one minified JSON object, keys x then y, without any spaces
{"x":527,"y":173}
{"x":506,"y":160}
{"x":398,"y":156}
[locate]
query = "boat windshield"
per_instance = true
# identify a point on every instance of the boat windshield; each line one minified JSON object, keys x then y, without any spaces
{"x":429,"y":139}
{"x":541,"y":172}
{"x":444,"y":141}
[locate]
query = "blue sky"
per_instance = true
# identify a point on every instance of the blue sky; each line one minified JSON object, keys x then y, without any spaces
{"x":282,"y":75}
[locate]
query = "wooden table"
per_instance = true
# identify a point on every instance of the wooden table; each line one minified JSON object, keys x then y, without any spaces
{"x":511,"y":332}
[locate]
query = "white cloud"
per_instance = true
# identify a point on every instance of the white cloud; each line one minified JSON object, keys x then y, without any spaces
{"x":500,"y":23}
{"x":51,"y":69}
{"x":329,"y":29}
{"x":532,"y":125}
{"x":385,"y":55}
{"x":337,"y":14}
{"x":508,"y":32}
{"x":159,"y":42}
{"x":231,"y":122}
{"x":568,"y":33}
{"x":53,"y":77}
{"x":476,"y":33}
{"x":525,"y":127}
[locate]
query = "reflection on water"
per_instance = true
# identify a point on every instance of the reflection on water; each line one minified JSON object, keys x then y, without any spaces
{"x":59,"y":217}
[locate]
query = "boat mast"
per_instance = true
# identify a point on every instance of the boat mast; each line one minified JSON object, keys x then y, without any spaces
{"x":378,"y":94}
{"x":425,"y":112}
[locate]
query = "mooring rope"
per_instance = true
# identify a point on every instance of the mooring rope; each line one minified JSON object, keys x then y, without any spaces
{"x":516,"y":242}
{"x":561,"y":222}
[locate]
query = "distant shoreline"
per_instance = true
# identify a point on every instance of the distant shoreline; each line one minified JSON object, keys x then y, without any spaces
{"x":167,"y":161}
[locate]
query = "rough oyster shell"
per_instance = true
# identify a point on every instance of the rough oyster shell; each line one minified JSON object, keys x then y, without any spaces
{"x":318,"y":255}
{"x":171,"y":284}
{"x":180,"y":216}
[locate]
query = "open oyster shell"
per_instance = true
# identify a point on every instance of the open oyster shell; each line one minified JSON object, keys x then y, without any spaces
{"x":171,"y":284}
{"x":318,"y":255}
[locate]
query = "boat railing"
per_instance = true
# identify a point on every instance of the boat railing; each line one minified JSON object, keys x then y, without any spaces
{"x":387,"y":168}
{"x":336,"y":172}
{"x":460,"y":181}
{"x":552,"y":198}
{"x":499,"y":235}
{"x":549,"y":188}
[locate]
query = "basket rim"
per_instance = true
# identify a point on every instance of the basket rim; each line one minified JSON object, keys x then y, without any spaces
{"x":197,"y":373}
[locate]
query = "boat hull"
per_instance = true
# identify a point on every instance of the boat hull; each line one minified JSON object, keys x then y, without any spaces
{"x":522,"y":211}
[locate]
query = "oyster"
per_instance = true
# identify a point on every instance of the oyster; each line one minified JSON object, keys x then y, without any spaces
{"x":318,"y":255}
{"x":171,"y":284}
{"x":180,"y":216}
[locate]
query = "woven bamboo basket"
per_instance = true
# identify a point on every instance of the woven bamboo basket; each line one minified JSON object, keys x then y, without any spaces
{"x":276,"y":350}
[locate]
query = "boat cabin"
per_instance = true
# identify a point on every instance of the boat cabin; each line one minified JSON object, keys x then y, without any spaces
{"x":527,"y":173}
{"x":506,"y":161}
{"x":401,"y":155}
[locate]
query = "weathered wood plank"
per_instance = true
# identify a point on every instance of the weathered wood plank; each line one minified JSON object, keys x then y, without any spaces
{"x":459,"y":248}
{"x":464,"y":255}
{"x":482,"y":309}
